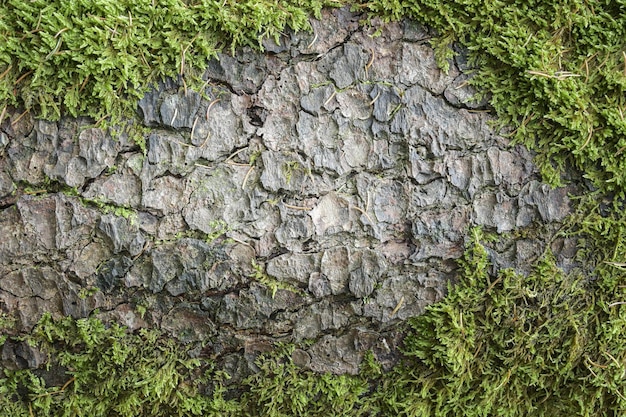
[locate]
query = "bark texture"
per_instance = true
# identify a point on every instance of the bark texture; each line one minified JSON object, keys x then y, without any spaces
{"x":319,"y":193}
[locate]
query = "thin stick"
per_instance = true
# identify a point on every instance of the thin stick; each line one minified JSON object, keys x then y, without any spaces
{"x":596,"y":364}
{"x":193,"y":128}
{"x":208,"y":134}
{"x":505,"y":380}
{"x":14,"y":122}
{"x":55,"y":50}
{"x":113,"y":31}
{"x":612,"y":358}
{"x":586,"y":62}
{"x":4,"y":110}
{"x":395,"y":310}
{"x":38,"y":21}
{"x":313,"y":41}
{"x":181,"y":143}
{"x":619,"y":394}
{"x":68,"y":383}
{"x":60,"y":32}
{"x":84,"y":83}
{"x":143,"y":250}
{"x":375,"y":98}
{"x":183,"y":52}
{"x":296,"y":207}
{"x":101,"y":119}
{"x":330,"y":98}
{"x":588,"y":139}
{"x":559,"y":75}
{"x":143,"y":58}
{"x":235,"y":154}
{"x":371,"y":61}
{"x":493,"y":284}
{"x":237,"y":164}
{"x":541,"y":74}
{"x":245,"y":179}
{"x":463,"y":84}
{"x":201,"y":91}
{"x":360,"y":210}
{"x":211,"y":105}
{"x":23,"y":76}
{"x":239,"y":241}
{"x":6,"y":72}
{"x":174,"y":118}
{"x":58,"y":391}
{"x":591,"y":370}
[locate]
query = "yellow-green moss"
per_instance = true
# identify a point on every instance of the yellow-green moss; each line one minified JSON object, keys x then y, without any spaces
{"x":546,"y":344}
{"x":109,"y":372}
{"x":97,"y":57}
{"x":555,"y":72}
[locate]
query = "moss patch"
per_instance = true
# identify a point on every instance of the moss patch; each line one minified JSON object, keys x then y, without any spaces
{"x":546,"y":344}
{"x":512,"y":345}
{"x":555,"y":72}
{"x":108,"y":371}
{"x":97,"y":57}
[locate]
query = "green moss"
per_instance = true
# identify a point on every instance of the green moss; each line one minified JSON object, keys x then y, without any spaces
{"x":501,"y":343}
{"x":547,"y":343}
{"x":281,"y":388}
{"x":7,"y":324}
{"x":106,"y":207}
{"x":97,"y":57}
{"x":218,"y":229}
{"x":272,"y":283}
{"x":110,"y":372}
{"x":290,"y":168}
{"x":555,"y":72}
{"x":507,"y":344}
{"x":87,"y":292}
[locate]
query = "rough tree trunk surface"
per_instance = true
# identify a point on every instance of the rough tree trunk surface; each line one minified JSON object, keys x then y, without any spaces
{"x":321,"y":193}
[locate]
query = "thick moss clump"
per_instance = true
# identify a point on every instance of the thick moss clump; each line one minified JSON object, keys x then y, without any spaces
{"x":547,"y":344}
{"x":555,"y":72}
{"x":109,"y":372}
{"x":97,"y":57}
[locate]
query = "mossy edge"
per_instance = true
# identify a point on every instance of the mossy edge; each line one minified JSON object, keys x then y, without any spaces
{"x":468,"y":355}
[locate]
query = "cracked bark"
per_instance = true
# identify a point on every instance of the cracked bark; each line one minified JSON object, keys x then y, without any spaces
{"x":357,"y":194}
